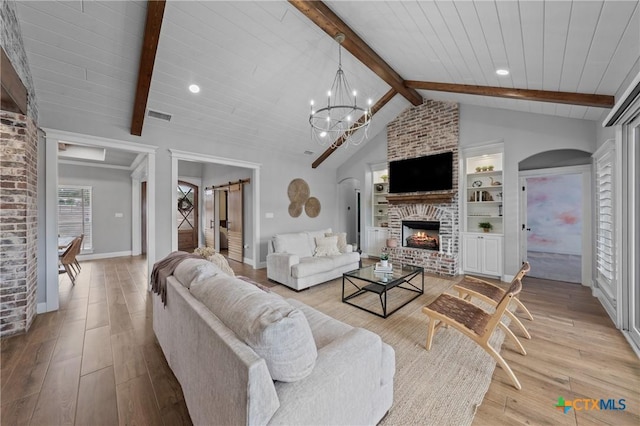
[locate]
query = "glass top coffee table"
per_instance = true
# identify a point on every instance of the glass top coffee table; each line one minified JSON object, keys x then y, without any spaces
{"x":359,"y":284}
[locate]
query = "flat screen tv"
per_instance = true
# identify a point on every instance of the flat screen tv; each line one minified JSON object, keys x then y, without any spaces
{"x":428,"y":173}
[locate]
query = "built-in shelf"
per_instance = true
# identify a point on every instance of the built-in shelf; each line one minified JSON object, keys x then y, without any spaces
{"x":435,"y":198}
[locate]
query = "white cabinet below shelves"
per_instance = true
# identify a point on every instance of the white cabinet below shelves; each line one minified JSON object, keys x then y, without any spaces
{"x":482,"y":253}
{"x":376,"y":240}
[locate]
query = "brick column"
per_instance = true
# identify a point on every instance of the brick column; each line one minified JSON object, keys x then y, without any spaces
{"x":18,"y":226}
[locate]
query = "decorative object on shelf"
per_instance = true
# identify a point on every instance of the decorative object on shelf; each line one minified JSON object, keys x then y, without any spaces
{"x":486,"y":196}
{"x":500,"y":209}
{"x":339,"y":121}
{"x":379,"y":187}
{"x":476,"y":183}
{"x":490,"y":168}
{"x":485,"y":168}
{"x":486,"y":226}
{"x":495,"y":182}
{"x":478,"y":169}
{"x":499,"y":196}
{"x":384,"y":178}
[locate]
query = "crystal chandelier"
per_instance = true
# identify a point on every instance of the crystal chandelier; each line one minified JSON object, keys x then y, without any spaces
{"x":338,"y":122}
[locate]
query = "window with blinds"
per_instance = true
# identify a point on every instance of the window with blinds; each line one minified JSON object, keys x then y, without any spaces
{"x":74,"y":213}
{"x":605,"y":247}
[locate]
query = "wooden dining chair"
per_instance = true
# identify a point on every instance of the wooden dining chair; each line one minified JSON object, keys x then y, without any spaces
{"x":76,"y":264}
{"x":474,"y":322}
{"x":490,"y":293}
{"x":68,"y":258}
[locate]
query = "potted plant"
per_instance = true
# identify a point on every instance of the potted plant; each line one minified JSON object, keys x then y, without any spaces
{"x":384,"y":178}
{"x":486,"y":226}
{"x":384,"y":259}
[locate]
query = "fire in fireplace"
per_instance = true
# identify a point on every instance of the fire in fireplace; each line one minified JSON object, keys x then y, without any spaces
{"x":421,"y":234}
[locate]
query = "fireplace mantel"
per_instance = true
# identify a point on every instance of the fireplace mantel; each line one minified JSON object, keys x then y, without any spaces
{"x":437,"y":198}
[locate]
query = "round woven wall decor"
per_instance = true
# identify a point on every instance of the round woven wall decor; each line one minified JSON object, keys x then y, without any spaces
{"x":298,"y":191}
{"x":312,"y":207}
{"x":295,"y":209}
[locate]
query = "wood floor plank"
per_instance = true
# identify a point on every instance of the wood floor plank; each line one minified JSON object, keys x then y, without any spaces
{"x":167,"y":389}
{"x":97,"y":402}
{"x":128,"y":359}
{"x":18,"y":412}
{"x":59,"y":394}
{"x":137,"y":403}
{"x":97,"y":350}
{"x":26,"y":380}
{"x":97,"y":315}
{"x":97,"y":293}
{"x":71,"y":341}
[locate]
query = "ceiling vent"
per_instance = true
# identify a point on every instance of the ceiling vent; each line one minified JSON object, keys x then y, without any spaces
{"x":309,"y":152}
{"x":159,"y":115}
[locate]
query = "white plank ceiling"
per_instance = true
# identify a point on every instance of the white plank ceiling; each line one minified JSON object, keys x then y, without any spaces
{"x":259,"y":63}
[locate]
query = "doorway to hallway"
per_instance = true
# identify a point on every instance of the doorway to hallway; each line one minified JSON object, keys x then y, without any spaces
{"x":553,"y":224}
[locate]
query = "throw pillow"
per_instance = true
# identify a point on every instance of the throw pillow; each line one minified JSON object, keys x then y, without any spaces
{"x":342,"y":240}
{"x":192,"y":270}
{"x":326,"y":246}
{"x":275,"y":330}
{"x":221,"y":262}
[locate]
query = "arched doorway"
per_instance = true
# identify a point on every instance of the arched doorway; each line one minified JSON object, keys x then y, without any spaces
{"x":556,"y":206}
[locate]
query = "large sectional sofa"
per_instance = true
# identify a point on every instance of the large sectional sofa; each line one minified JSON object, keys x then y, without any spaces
{"x":244,"y":355}
{"x":294,"y":259}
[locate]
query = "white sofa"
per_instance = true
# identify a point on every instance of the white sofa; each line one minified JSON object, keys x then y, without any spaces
{"x":335,"y":374}
{"x":292,"y":260}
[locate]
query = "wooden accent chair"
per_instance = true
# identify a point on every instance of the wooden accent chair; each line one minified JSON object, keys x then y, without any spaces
{"x":490,"y":293}
{"x":68,"y":258}
{"x":474,"y":322}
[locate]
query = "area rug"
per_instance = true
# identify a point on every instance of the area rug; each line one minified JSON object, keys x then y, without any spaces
{"x":443,"y":386}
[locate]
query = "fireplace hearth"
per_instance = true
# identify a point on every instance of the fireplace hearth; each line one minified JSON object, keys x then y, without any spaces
{"x":421,"y":234}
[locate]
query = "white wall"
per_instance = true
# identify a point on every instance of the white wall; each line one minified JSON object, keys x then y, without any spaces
{"x":524,"y":135}
{"x":358,"y":167}
{"x":277,"y":170}
{"x":111,"y":194}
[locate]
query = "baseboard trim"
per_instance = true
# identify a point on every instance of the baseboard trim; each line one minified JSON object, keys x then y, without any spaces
{"x":262,"y":265}
{"x":97,"y":256}
{"x":41,"y":308}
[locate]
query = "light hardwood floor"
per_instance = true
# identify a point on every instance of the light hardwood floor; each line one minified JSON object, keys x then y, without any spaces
{"x":96,"y":360}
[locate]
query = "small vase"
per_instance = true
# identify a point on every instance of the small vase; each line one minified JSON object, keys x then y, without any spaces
{"x":485,"y":230}
{"x":384,"y":263}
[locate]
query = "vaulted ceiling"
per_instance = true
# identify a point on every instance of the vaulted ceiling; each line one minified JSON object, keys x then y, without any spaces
{"x":259,"y":63}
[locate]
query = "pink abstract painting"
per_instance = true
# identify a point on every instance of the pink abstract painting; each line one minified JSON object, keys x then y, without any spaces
{"x":554,"y":214}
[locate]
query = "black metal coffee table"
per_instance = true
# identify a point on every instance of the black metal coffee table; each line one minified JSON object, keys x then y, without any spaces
{"x":367,"y":280}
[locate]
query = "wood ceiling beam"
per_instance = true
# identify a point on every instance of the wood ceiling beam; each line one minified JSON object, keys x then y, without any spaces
{"x":375,"y":108}
{"x":155,"y":13}
{"x":329,"y":22}
{"x":580,"y":99}
{"x":13,"y":94}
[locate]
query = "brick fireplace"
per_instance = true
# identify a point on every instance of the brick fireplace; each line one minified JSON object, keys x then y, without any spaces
{"x":430,"y":128}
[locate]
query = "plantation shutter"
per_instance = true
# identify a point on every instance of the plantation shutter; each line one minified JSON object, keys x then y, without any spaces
{"x":605,"y":243}
{"x":74,"y":213}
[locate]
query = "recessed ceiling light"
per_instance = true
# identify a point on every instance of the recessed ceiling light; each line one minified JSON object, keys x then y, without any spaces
{"x":502,"y":71}
{"x":194,"y":88}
